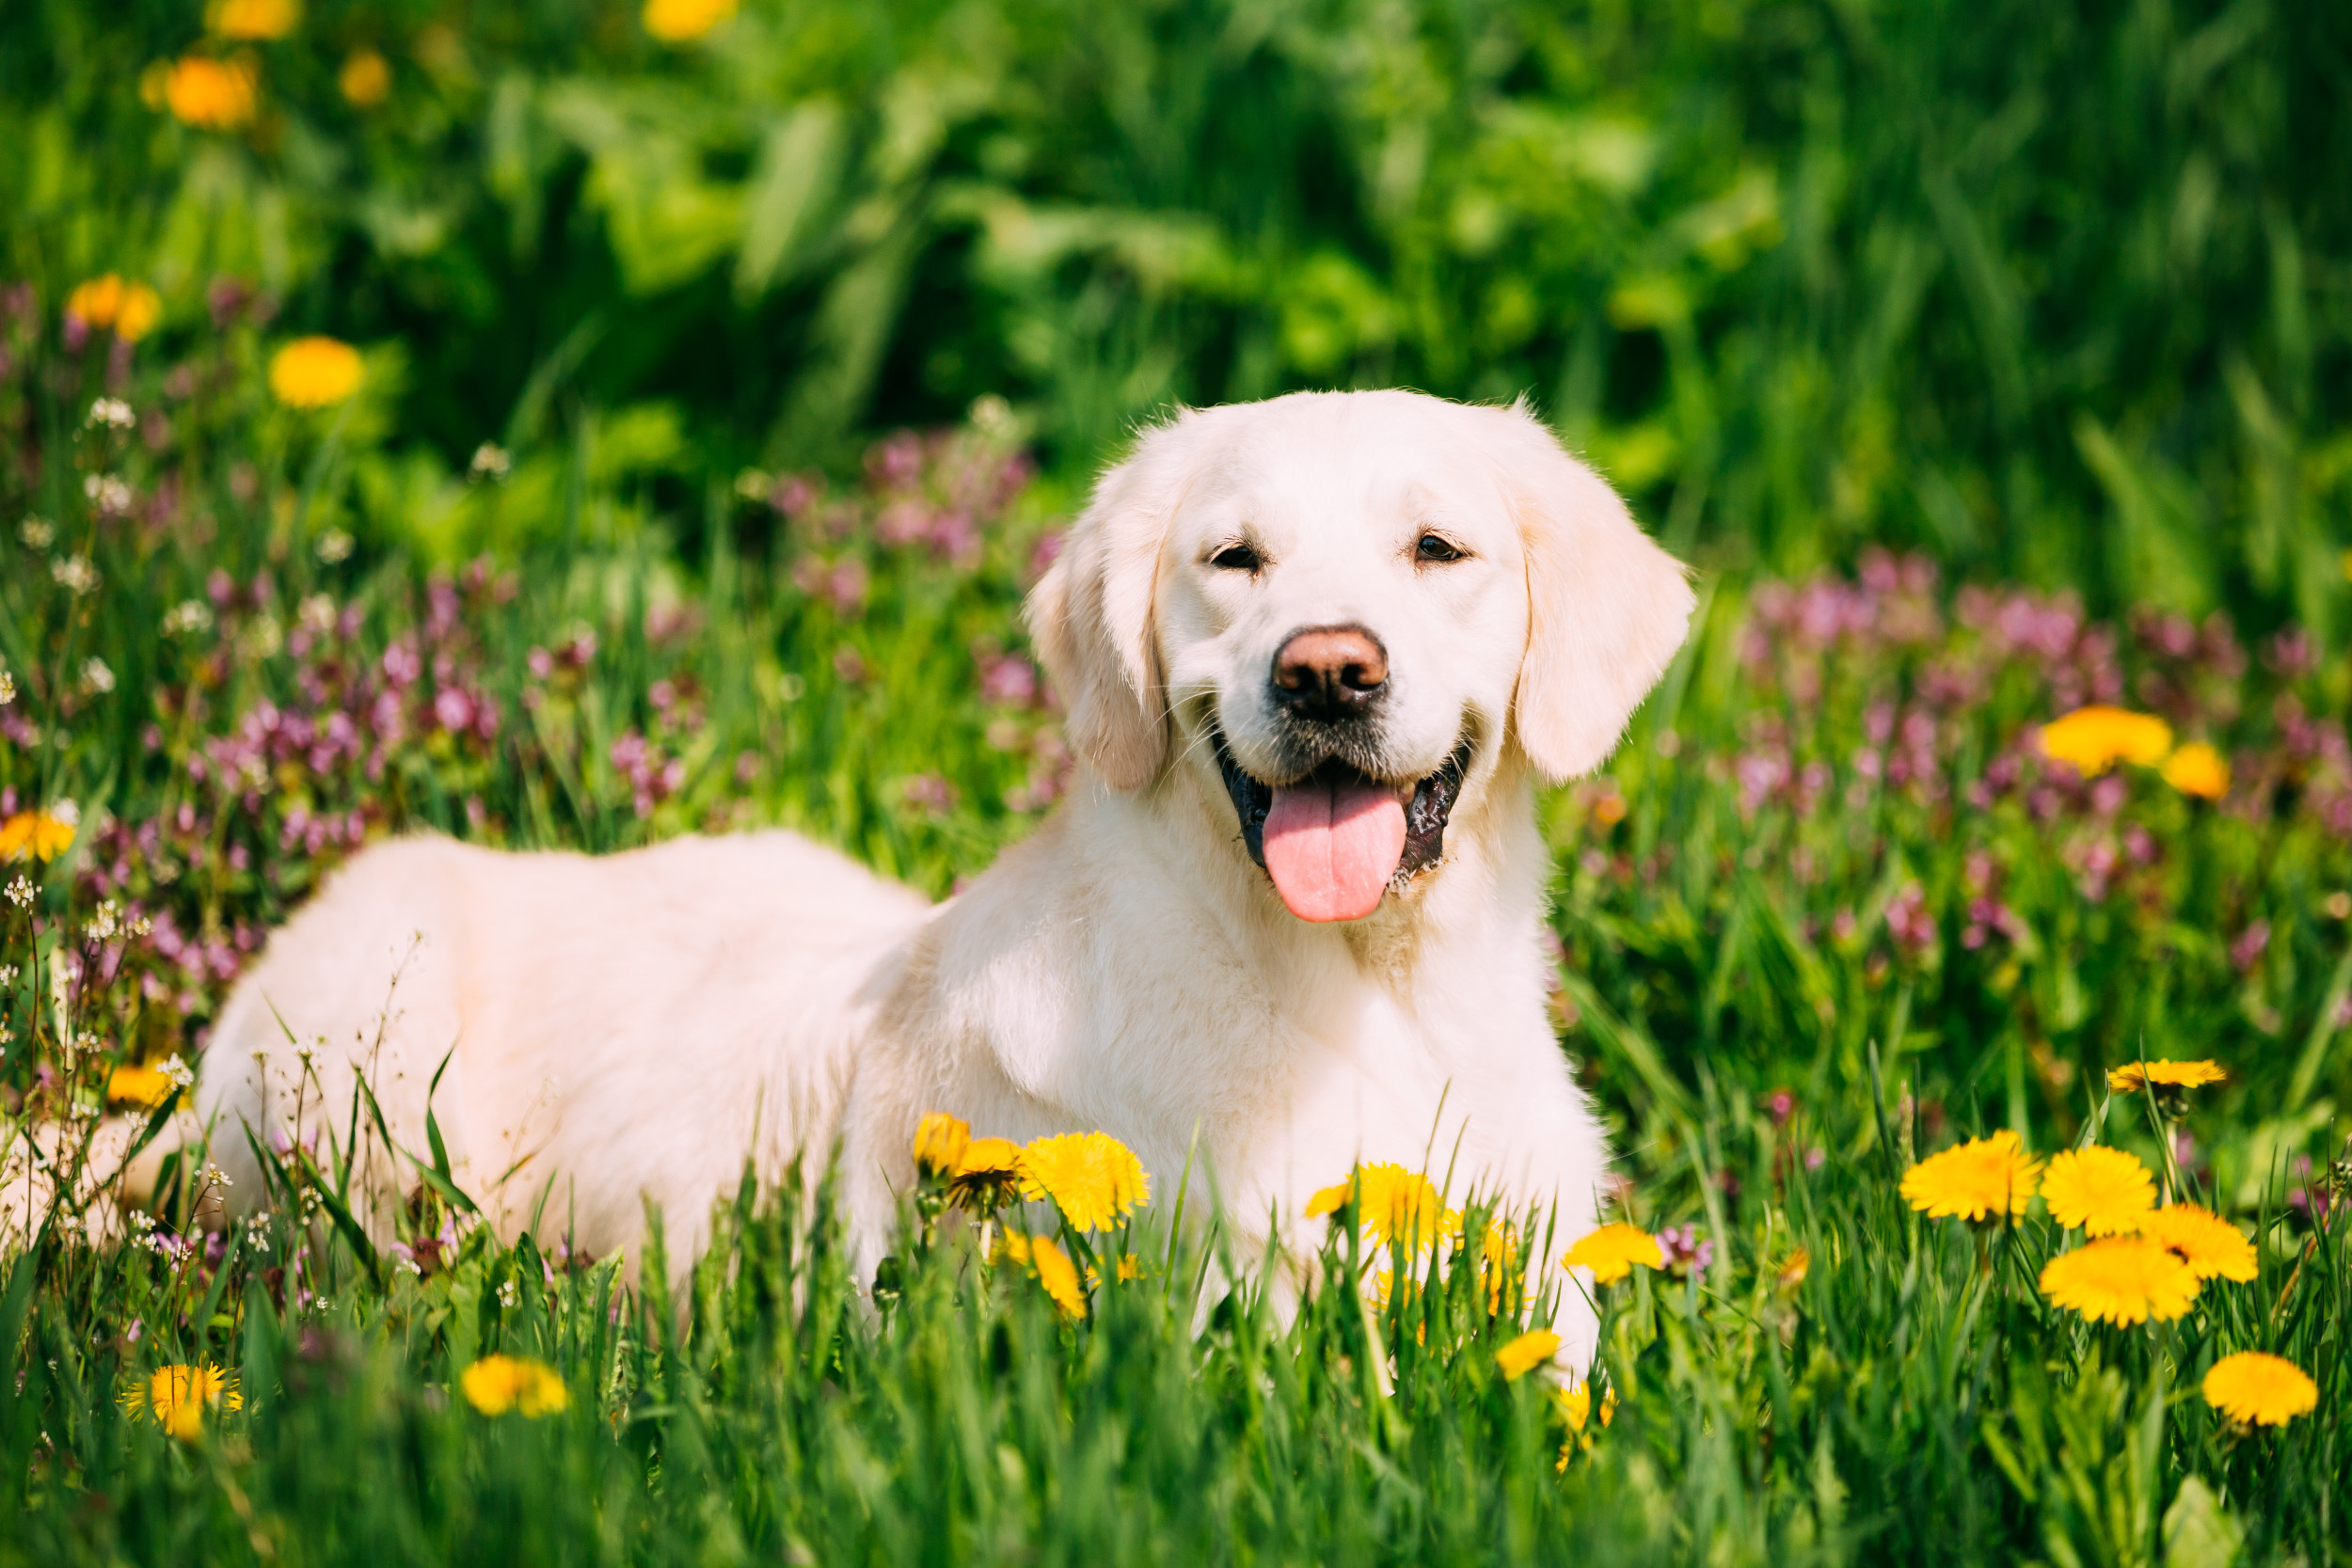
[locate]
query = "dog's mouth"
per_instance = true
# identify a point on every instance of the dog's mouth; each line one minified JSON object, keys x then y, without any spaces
{"x":1336,"y":839}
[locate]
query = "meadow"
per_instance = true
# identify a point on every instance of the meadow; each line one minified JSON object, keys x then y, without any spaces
{"x":576,"y":426}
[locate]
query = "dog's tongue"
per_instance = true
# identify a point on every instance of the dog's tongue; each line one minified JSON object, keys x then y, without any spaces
{"x":1332,"y":848}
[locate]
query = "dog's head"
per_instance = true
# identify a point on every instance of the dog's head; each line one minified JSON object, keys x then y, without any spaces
{"x":1349,"y":608}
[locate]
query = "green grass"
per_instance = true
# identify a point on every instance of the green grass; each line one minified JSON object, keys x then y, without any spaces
{"x":2053,"y":300}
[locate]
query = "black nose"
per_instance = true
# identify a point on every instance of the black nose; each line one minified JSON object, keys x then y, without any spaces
{"x":1329,"y":672}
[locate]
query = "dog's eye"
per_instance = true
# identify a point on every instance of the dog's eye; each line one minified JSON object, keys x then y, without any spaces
{"x":1431,"y":548}
{"x":1236,"y":557}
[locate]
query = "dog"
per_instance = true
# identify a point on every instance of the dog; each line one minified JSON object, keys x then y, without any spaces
{"x":1315,"y":653}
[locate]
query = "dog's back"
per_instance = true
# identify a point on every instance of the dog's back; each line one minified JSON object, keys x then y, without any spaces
{"x":712,"y":977}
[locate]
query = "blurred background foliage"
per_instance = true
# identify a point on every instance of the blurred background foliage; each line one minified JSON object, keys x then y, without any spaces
{"x":2063,"y":297}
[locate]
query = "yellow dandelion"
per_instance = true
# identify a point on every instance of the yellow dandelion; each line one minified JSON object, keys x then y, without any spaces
{"x":1612,"y":1251}
{"x":93,"y":302}
{"x":1975,"y":1181}
{"x":2121,"y":1281}
{"x":131,"y":308}
{"x":208,"y":94}
{"x":2255,"y":1389}
{"x":2096,"y":738}
{"x":1093,"y":1177}
{"x":2099,"y":1192}
{"x":684,"y":21}
{"x":256,"y":20}
{"x":314,"y":373}
{"x":1575,"y":1406}
{"x":1391,"y":1203}
{"x":2133,"y":1076}
{"x":137,"y":316}
{"x":1051,"y":1267}
{"x":987,"y":1175}
{"x":1525,"y":1353}
{"x":498,"y":1384}
{"x":1793,"y":1268}
{"x":2211,"y":1246}
{"x":1499,"y":1268}
{"x":1330,"y":1199}
{"x":1130,"y":1268}
{"x":2196,"y":769}
{"x":940,"y":1141}
{"x":365,"y":80}
{"x":139,"y":1085}
{"x":40,"y":834}
{"x":178,"y":1397}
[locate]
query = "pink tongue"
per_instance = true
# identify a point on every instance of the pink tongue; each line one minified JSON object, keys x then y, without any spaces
{"x":1331,"y":849}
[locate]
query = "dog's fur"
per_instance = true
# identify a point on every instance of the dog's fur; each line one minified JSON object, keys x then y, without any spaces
{"x":637,"y":1026}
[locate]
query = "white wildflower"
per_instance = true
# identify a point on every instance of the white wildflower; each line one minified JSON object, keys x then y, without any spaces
{"x":107,"y":492}
{"x":490,"y":461}
{"x":178,"y":1072}
{"x":508,"y":1294}
{"x":104,"y":921}
{"x":8,"y":976}
{"x":333,"y":545}
{"x":75,"y":574}
{"x":188,"y":615}
{"x":113,"y":413}
{"x":263,"y":637}
{"x":317,"y":615}
{"x":215,"y":1176}
{"x":37,"y":532}
{"x":95,"y":678}
{"x":8,"y":689}
{"x":20,"y":893}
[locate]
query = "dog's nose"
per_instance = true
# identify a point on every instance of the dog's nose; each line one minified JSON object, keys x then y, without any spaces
{"x":1329,"y":672}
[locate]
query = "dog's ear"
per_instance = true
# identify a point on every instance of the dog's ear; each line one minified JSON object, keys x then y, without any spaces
{"x":1090,"y":618}
{"x":1606,"y":608}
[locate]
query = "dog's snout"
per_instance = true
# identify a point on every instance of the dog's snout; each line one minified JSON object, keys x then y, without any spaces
{"x":1330,"y":672}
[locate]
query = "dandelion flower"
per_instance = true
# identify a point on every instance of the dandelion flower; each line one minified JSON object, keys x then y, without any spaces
{"x":2121,"y":1281}
{"x":2096,"y":738}
{"x":139,"y":1086}
{"x":208,"y":94}
{"x":1330,"y":1199}
{"x":1612,"y":1251}
{"x":178,"y":1396}
{"x":314,"y":373}
{"x":498,"y":1384}
{"x":684,"y":21}
{"x":1392,"y":1202}
{"x":365,"y":79}
{"x":255,"y":21}
{"x":987,"y":1175}
{"x":1525,"y":1353}
{"x":2196,"y":769}
{"x":131,"y":308}
{"x":1793,"y":1268}
{"x":1093,"y":1177}
{"x":1974,"y":1180}
{"x":2132,"y":1076}
{"x":1575,"y":1406}
{"x":2100,"y":1192}
{"x":43,"y":835}
{"x":940,"y":1141}
{"x":1499,"y":1267}
{"x":2211,"y":1246}
{"x":2255,"y":1389}
{"x":1053,"y":1268}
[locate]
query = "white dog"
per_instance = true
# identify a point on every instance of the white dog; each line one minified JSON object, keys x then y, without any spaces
{"x":1317,"y":651}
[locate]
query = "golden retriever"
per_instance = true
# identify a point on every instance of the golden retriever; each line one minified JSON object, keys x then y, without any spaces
{"x":1317,"y":653}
